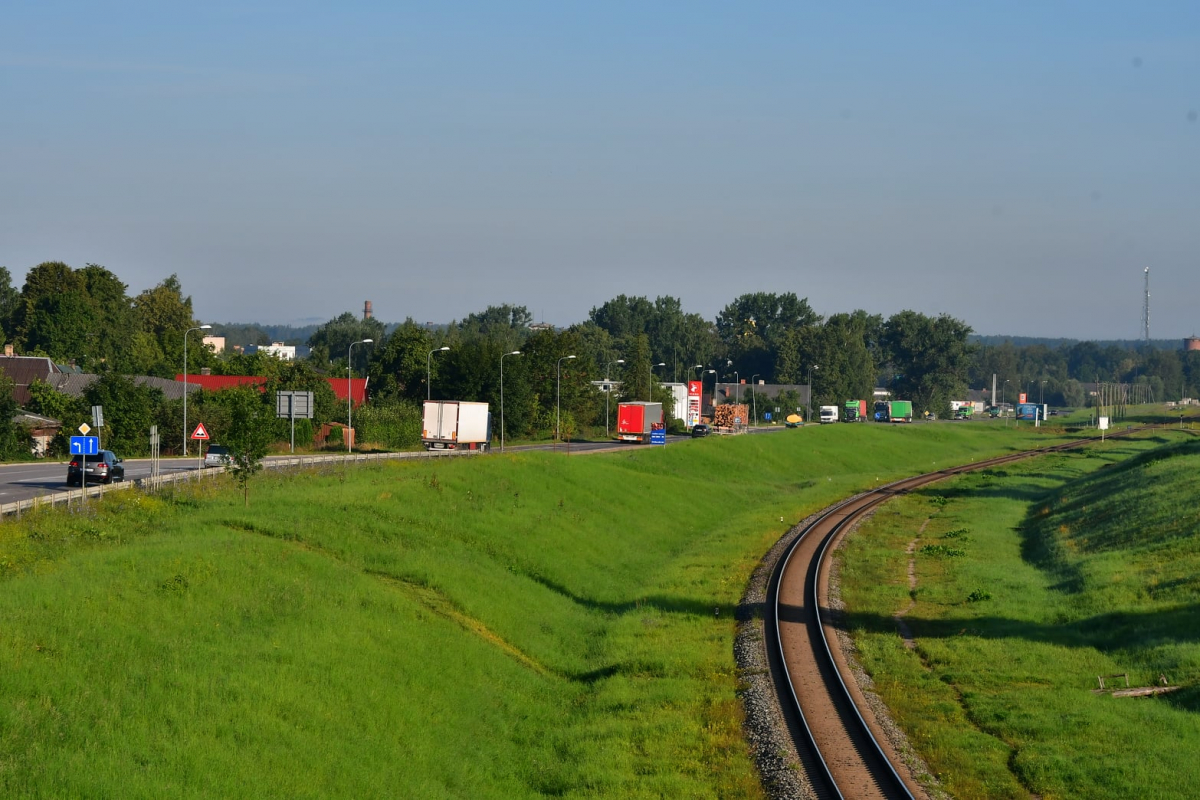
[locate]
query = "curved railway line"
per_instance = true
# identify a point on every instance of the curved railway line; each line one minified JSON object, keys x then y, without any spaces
{"x":837,"y":737}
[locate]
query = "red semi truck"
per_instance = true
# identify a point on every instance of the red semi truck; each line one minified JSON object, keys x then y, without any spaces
{"x":636,"y":419}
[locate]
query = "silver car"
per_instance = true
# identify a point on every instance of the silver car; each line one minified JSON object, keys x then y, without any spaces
{"x":217,"y":456}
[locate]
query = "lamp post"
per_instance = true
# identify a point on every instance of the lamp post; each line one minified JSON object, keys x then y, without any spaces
{"x":608,"y":380}
{"x":185,"y":335}
{"x":558,"y":399}
{"x":808,"y":418}
{"x":350,"y":393}
{"x":429,"y":371}
{"x":737,"y":388}
{"x":650,"y":384}
{"x":1042,"y":393}
{"x":754,"y":396}
{"x":513,"y":353}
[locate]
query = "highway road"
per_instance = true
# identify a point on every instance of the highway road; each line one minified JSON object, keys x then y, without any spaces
{"x":29,"y":479}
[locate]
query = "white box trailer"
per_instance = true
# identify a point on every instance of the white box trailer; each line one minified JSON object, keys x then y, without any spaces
{"x":456,"y":425}
{"x":829,"y":414}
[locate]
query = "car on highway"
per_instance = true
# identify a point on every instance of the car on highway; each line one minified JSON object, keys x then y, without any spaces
{"x":103,"y":467}
{"x":700,"y":430}
{"x":217,"y":456}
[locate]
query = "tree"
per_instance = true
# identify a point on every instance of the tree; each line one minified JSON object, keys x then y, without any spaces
{"x":165,"y":315}
{"x":54,"y":316}
{"x":331,"y":342}
{"x":10,"y":298}
{"x":129,"y":411}
{"x":755,"y":326}
{"x":929,"y":359}
{"x":248,"y":437}
{"x":14,"y":439}
{"x":397,"y":369}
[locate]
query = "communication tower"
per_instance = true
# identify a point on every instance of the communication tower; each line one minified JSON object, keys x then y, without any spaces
{"x":1146,"y":309}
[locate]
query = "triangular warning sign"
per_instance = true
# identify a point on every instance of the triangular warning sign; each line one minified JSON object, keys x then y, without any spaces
{"x":201,"y":432}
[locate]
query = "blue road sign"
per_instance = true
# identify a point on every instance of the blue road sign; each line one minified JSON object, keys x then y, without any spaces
{"x":767,"y":416}
{"x":85,"y":445}
{"x":658,"y":436}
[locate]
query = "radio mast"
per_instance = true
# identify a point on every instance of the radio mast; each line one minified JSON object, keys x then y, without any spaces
{"x":1146,"y":310}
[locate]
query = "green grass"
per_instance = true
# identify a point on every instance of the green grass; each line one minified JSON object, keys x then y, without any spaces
{"x":1075,"y":565}
{"x":505,"y":626}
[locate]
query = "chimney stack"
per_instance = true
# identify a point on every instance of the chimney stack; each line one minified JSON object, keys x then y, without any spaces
{"x":8,"y":350}
{"x":367,"y":309}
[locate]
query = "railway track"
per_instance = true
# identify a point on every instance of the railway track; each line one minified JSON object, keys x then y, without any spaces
{"x":840,"y":744}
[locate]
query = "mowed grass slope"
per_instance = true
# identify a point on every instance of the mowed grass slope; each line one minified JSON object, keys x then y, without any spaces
{"x":501,"y":626}
{"x":1033,"y":580}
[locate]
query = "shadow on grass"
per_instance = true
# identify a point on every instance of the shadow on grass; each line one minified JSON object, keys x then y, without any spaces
{"x":1111,"y":632}
{"x":663,"y":603}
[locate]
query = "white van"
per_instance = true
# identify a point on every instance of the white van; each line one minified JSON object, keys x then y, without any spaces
{"x":829,"y":414}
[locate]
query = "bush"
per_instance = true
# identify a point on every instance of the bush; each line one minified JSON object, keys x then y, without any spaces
{"x":979,"y":595}
{"x":396,"y":425}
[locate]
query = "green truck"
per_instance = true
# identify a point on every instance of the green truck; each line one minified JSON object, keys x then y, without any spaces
{"x":900,"y":411}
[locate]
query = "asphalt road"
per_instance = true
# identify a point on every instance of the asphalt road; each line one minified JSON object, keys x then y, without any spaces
{"x":32,"y":479}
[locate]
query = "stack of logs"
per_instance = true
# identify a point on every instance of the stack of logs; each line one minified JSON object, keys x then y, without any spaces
{"x":724,"y":415}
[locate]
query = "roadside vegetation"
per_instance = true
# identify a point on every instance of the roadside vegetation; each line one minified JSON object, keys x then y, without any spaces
{"x":502,"y":626}
{"x":1032,"y":581}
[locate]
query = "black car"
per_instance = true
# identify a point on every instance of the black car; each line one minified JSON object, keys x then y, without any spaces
{"x":700,"y":430}
{"x":104,"y":467}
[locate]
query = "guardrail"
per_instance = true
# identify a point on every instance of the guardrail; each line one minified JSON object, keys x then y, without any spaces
{"x":186,"y":476}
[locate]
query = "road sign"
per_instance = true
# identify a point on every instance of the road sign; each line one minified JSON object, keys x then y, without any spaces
{"x":98,"y":416}
{"x":84,"y":428}
{"x":767,"y":416}
{"x":737,"y":420}
{"x":294,"y":404}
{"x":85,"y":445}
{"x":658,"y":436}
{"x":200,"y":433}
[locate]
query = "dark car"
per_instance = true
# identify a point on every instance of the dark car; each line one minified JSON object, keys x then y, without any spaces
{"x":700,"y":430}
{"x":104,"y":467}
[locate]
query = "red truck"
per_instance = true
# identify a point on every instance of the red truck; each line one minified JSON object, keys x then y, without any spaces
{"x":636,"y":419}
{"x":856,"y":411}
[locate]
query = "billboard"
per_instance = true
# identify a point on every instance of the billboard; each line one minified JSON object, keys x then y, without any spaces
{"x":1028,"y":411}
{"x":693,"y":403}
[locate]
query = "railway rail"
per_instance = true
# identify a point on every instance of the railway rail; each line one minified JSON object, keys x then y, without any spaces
{"x":839,"y":741}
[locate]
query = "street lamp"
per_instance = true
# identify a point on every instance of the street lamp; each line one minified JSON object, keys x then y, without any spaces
{"x":714,"y":374}
{"x":808,"y":419}
{"x":608,"y":380}
{"x":1042,"y":393}
{"x":350,"y":393}
{"x":429,"y":371}
{"x":185,"y":335}
{"x":754,"y":396}
{"x":558,"y":398}
{"x":650,"y":385}
{"x":513,"y":353}
{"x":737,"y":388}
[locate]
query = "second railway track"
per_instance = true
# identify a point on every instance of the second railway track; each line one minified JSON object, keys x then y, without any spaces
{"x":837,"y":738}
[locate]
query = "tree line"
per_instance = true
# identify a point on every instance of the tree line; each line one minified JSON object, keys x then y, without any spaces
{"x":87,"y":317}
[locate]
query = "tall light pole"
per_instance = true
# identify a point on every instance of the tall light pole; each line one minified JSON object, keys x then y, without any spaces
{"x":185,"y":335}
{"x":808,"y":419}
{"x":650,"y":385}
{"x":513,"y":353}
{"x":754,"y":396}
{"x":737,"y":387}
{"x":715,"y":380}
{"x":429,"y":371}
{"x":350,"y":393}
{"x":558,"y":398}
{"x":1042,"y":393}
{"x":608,"y":380}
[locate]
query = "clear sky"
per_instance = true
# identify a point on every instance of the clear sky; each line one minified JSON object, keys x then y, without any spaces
{"x":1015,"y":165}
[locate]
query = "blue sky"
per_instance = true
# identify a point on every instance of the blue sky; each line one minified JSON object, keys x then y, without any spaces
{"x":289,"y":161}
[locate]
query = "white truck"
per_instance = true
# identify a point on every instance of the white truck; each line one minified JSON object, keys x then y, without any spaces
{"x":829,"y":414}
{"x":456,"y":425}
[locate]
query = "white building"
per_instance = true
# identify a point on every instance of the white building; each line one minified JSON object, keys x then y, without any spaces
{"x":286,"y":352}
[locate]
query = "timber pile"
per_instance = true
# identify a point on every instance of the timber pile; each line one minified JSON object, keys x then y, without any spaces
{"x":724,"y":415}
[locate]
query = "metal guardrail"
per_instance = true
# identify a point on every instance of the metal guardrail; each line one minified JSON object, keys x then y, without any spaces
{"x":18,"y":507}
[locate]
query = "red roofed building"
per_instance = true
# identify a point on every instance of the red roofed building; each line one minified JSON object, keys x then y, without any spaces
{"x":355,"y":388}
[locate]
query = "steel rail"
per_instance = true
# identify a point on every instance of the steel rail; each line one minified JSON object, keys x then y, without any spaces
{"x":854,"y":508}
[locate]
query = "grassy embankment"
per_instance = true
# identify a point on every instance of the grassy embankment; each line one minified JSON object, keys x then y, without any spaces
{"x":490,"y":627}
{"x":1033,"y":580}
